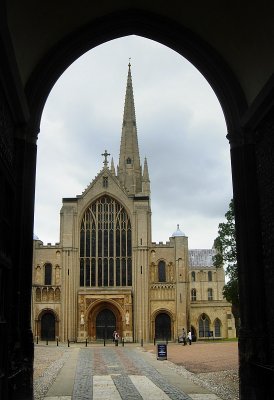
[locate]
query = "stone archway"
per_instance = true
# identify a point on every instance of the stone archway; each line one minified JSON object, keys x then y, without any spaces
{"x":252,"y":192}
{"x":105,"y":324}
{"x":103,"y":319}
{"x":47,"y":326}
{"x":162,"y":326}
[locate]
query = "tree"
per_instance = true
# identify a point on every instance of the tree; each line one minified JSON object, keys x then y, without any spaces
{"x":225,"y":245}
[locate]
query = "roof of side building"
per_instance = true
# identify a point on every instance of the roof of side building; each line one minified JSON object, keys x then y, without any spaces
{"x":201,"y":258}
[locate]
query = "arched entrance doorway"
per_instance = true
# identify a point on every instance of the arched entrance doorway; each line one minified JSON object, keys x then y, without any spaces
{"x":48,"y":326}
{"x":104,"y":317}
{"x":162,"y":327}
{"x":105,"y":324}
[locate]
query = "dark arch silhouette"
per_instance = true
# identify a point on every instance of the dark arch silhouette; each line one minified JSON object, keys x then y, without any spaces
{"x":48,"y":326}
{"x":105,"y":324}
{"x":163,"y":327}
{"x":251,"y":160}
{"x":151,"y":26}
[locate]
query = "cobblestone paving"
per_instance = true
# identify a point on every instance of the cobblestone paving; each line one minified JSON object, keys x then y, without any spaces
{"x":47,"y":363}
{"x":111,"y":373}
{"x":119,"y":364}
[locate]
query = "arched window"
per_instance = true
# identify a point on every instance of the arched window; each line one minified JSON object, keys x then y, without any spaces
{"x":48,"y":274}
{"x":162,"y":271}
{"x":204,"y":326}
{"x":193,"y":294}
{"x":105,"y":181}
{"x":105,"y":245}
{"x":217,"y":327}
{"x":209,"y":294}
{"x":128,"y":160}
{"x":209,"y":276}
{"x":193,"y":276}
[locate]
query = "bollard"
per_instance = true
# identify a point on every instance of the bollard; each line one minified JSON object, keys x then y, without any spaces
{"x":123,"y":342}
{"x":86,"y":343}
{"x":57,"y":342}
{"x":36,"y":339}
{"x":68,"y":342}
{"x":47,"y":343}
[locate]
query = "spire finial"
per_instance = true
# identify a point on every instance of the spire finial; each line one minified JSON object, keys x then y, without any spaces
{"x":129,"y":64}
{"x":105,"y":154}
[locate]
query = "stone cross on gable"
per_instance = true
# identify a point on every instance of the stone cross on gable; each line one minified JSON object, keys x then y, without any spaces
{"x":105,"y":154}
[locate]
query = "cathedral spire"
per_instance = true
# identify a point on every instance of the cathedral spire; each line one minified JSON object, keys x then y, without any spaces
{"x":112,"y":168}
{"x":145,"y":180}
{"x":129,"y":171}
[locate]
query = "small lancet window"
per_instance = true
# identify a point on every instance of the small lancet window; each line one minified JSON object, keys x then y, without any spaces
{"x":217,"y":328}
{"x":209,"y":294}
{"x":162,"y":271}
{"x":209,"y":276}
{"x":193,"y":276}
{"x":128,"y":160}
{"x":105,"y":181}
{"x":48,"y":274}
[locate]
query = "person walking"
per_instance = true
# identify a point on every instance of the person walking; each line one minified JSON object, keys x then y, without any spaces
{"x":184,"y":336}
{"x":189,"y":336}
{"x":116,"y":338}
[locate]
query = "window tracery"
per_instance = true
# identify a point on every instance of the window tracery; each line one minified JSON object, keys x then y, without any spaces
{"x":105,"y":245}
{"x":204,"y":326}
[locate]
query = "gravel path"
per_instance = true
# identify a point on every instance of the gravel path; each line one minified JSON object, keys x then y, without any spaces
{"x":213,"y":366}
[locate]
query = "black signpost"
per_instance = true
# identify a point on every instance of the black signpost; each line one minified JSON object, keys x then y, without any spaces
{"x":161,"y":351}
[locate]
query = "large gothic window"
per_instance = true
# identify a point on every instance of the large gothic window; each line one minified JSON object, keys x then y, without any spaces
{"x":105,"y":245}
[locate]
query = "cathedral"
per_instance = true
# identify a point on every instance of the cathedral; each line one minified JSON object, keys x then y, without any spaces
{"x":106,"y":274}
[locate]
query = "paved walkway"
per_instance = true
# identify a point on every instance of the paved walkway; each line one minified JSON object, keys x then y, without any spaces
{"x":114,"y":373}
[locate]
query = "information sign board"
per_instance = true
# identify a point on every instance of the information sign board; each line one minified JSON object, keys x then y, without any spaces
{"x":161,"y":351}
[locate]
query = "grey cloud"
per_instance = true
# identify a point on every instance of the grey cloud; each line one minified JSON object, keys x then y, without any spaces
{"x":180,"y":126}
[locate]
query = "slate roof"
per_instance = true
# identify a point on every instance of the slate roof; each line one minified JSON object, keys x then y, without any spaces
{"x":201,"y":258}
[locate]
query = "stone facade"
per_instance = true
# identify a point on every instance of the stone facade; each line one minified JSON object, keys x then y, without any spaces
{"x":106,"y":273}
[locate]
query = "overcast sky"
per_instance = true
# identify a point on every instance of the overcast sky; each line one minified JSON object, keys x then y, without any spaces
{"x":181,"y":130}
